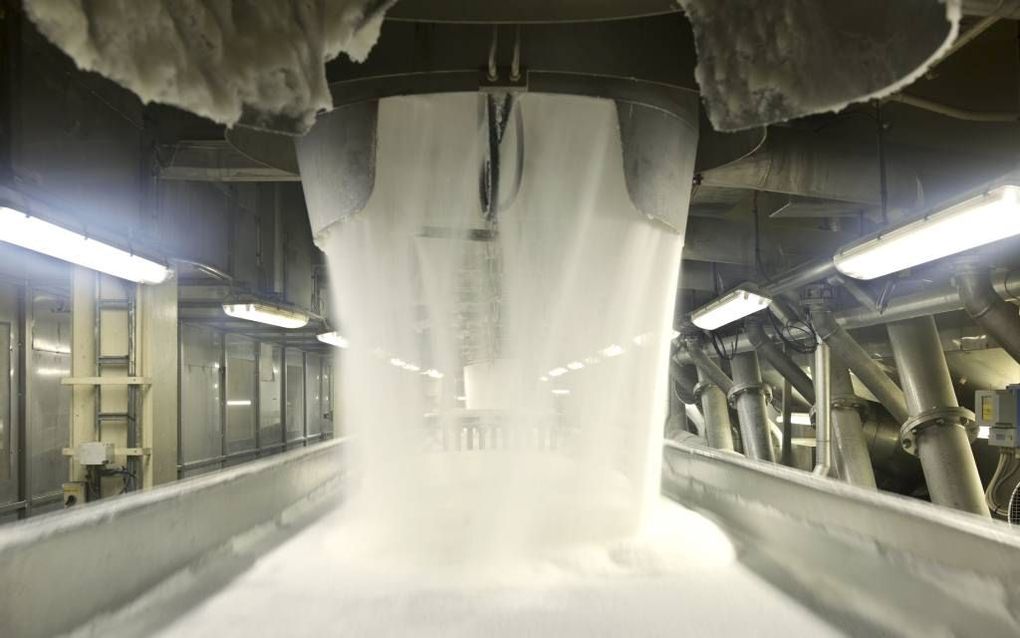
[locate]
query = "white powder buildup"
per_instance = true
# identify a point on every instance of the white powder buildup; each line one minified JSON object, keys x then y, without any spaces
{"x":766,"y":62}
{"x":221,"y":59}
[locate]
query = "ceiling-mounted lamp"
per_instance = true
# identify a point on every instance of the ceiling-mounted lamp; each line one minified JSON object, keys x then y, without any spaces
{"x":736,"y":304}
{"x":980,"y":220}
{"x":267,"y":314}
{"x":21,"y":229}
{"x":334,"y":339}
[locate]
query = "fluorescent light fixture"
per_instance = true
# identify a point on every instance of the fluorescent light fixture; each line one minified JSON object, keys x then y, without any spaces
{"x":410,"y":367}
{"x":734,"y":305}
{"x":52,"y":372}
{"x":333,"y":339}
{"x":432,"y":373}
{"x":264,"y":313}
{"x":561,"y":391}
{"x":557,"y":372}
{"x":239,"y":403}
{"x":399,"y":363}
{"x":49,"y":239}
{"x":612,"y":351}
{"x":575,"y":365}
{"x":980,"y":220}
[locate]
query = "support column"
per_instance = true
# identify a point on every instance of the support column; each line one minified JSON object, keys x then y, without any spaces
{"x":83,"y":363}
{"x":937,"y":430}
{"x":749,"y":393}
{"x":158,"y":360}
{"x":716,"y":412}
{"x":853,"y":462}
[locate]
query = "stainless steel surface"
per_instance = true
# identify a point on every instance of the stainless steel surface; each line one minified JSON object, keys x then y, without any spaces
{"x":823,"y":410}
{"x":877,"y":563}
{"x":998,"y":317}
{"x":708,"y":367}
{"x":853,"y":461}
{"x":779,"y":360}
{"x":860,"y":363}
{"x":120,"y":538}
{"x":942,"y":443}
{"x":716,"y":411}
{"x":748,"y":393}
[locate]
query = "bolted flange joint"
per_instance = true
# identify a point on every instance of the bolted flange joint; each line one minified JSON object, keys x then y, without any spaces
{"x":738,"y":389}
{"x":850,"y":402}
{"x":938,"y":417}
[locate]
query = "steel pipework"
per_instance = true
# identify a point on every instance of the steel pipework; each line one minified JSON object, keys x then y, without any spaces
{"x":860,"y":362}
{"x":748,"y":395}
{"x":716,"y":413}
{"x":853,"y":461}
{"x":823,"y":406}
{"x":995,"y":315}
{"x":779,"y":360}
{"x":937,"y":429}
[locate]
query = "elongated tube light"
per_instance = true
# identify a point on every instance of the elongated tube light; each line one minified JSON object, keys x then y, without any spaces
{"x":734,"y":305}
{"x":265,"y":313}
{"x":333,"y":339}
{"x":981,"y":220}
{"x":40,"y":236}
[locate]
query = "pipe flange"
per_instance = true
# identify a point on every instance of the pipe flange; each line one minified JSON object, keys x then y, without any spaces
{"x":849,"y":402}
{"x":700,"y":388}
{"x":738,"y":389}
{"x":937,"y":417}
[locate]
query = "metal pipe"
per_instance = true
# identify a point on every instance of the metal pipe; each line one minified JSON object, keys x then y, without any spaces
{"x":937,"y":300}
{"x":748,"y":394}
{"x":997,"y":317}
{"x":853,"y":461}
{"x":802,"y":275}
{"x":779,"y":360}
{"x":708,"y":367}
{"x":954,"y":112}
{"x":716,"y":413}
{"x":823,"y":406}
{"x":860,"y":362}
{"x":936,"y":430}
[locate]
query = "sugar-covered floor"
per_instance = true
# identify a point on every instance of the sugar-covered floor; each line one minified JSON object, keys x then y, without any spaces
{"x":682,"y":577}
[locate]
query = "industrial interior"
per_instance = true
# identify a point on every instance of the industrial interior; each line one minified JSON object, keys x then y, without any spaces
{"x":430,"y":317}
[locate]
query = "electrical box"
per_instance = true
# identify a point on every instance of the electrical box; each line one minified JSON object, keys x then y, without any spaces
{"x":74,"y":493}
{"x":94,"y":453}
{"x":997,"y":410}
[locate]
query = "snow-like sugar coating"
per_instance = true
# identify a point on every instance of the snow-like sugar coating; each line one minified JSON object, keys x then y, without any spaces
{"x":766,"y":62}
{"x":217,"y":58}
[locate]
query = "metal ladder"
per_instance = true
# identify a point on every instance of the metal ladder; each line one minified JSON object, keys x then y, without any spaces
{"x":128,"y":361}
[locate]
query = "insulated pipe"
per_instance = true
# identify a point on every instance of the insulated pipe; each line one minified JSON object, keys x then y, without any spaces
{"x":853,"y":461}
{"x":996,"y":316}
{"x":823,"y":406}
{"x":779,"y":360}
{"x":860,"y":362}
{"x":748,"y":394}
{"x":708,"y":367}
{"x":936,"y":430}
{"x":716,"y":413}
